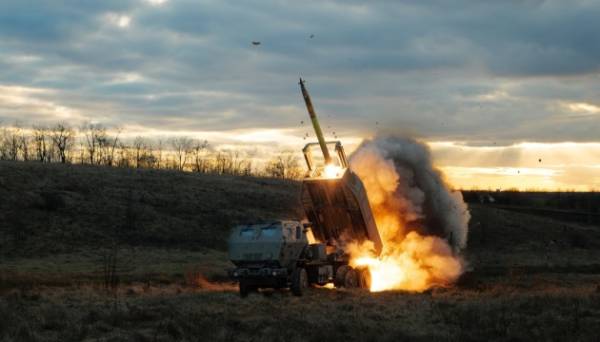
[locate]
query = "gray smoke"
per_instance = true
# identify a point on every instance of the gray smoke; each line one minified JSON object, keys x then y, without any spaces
{"x":419,"y":191}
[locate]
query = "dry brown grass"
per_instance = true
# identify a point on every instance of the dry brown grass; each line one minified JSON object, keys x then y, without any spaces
{"x":500,"y":312}
{"x":530,"y":278}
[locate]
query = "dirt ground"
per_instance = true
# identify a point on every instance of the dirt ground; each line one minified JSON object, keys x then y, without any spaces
{"x":527,"y":277}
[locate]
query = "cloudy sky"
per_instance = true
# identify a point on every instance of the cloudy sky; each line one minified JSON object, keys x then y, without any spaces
{"x":507,"y":93}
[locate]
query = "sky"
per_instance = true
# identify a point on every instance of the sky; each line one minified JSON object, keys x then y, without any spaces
{"x":506,"y":93}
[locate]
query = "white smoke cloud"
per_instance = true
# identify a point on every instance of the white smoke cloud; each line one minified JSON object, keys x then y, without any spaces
{"x":400,"y":178}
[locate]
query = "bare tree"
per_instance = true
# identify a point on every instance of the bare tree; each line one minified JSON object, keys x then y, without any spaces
{"x":93,"y":134}
{"x":24,"y":145}
{"x":3,"y":146}
{"x":11,"y":142}
{"x":62,"y":138}
{"x":199,"y":160}
{"x":285,"y":166}
{"x":182,"y":147}
{"x":140,"y":147}
{"x":40,"y":137}
{"x":223,"y":162}
{"x":158,"y":153}
{"x":124,"y":156}
{"x":107,"y":145}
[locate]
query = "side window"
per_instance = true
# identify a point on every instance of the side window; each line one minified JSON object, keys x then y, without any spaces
{"x":269,"y":232}
{"x":288,"y":232}
{"x":298,"y":233}
{"x":247,"y":232}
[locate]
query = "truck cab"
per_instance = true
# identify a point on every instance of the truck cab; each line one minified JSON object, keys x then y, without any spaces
{"x":269,"y":255}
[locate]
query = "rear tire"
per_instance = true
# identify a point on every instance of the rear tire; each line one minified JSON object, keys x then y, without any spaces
{"x":340,"y":276}
{"x":299,"y":281}
{"x":351,"y":280}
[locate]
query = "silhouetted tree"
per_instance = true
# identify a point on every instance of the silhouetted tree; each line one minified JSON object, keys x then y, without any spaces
{"x":62,"y":138}
{"x":199,"y":160}
{"x":285,"y":166}
{"x":93,"y":134}
{"x":139,"y":146}
{"x":40,"y":137}
{"x":182,"y":147}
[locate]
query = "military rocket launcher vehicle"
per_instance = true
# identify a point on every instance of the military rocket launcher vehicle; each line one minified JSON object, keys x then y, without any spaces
{"x":283,"y":253}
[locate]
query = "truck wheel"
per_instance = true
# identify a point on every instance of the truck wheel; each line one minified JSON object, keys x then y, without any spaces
{"x":299,"y":281}
{"x":351,"y":279}
{"x":244,"y":290}
{"x":364,"y":278}
{"x":340,"y":276}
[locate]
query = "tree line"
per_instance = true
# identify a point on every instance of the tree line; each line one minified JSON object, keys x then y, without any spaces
{"x":94,"y":144}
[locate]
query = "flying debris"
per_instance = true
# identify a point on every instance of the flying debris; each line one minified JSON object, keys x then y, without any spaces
{"x":302,"y":122}
{"x":540,"y":160}
{"x":312,"y":36}
{"x":255,"y":43}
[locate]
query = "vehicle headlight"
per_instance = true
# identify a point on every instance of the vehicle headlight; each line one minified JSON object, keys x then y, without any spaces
{"x":235,"y":274}
{"x":274,"y":273}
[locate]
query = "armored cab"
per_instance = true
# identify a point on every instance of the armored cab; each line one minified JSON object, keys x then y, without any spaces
{"x":275,"y":255}
{"x":274,"y":245}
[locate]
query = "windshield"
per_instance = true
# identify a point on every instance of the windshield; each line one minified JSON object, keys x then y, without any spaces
{"x":269,"y":231}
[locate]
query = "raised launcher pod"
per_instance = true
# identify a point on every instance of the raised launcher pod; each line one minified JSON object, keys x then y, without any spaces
{"x":334,"y":198}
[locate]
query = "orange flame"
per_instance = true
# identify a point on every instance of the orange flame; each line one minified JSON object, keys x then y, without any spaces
{"x":409,"y":261}
{"x":332,"y":171}
{"x":414,"y":264}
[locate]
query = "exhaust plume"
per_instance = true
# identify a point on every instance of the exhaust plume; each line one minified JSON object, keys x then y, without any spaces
{"x":422,"y":223}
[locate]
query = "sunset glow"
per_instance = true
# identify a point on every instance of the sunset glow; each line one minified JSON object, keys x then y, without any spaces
{"x":160,"y":69}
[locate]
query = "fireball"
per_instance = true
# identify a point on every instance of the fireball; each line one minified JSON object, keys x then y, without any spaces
{"x":410,"y":260}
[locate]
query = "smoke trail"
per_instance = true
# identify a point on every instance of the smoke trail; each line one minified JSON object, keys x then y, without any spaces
{"x":423,"y":224}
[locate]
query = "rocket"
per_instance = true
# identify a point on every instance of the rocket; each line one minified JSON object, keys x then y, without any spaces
{"x":315,"y":122}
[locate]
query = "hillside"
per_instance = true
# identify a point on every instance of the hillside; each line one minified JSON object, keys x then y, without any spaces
{"x":53,"y":208}
{"x":49,"y":209}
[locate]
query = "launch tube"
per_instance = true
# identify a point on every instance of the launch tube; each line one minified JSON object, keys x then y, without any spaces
{"x":315,"y":122}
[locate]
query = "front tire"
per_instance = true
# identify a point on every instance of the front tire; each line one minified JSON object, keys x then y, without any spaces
{"x":244,"y":290}
{"x":299,"y":281}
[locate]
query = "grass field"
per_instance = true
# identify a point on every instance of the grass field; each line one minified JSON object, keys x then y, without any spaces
{"x":528,"y":277}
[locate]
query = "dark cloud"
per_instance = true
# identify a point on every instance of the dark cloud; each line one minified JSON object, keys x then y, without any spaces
{"x":472,"y":71}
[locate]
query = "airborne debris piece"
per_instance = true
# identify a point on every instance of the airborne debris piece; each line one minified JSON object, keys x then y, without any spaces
{"x":312,"y":36}
{"x":255,"y":43}
{"x":293,"y":254}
